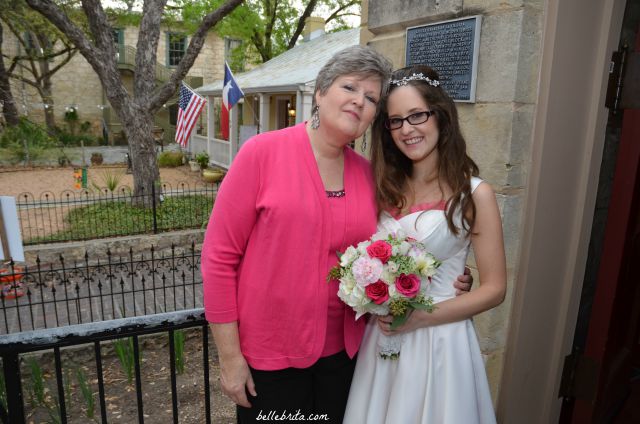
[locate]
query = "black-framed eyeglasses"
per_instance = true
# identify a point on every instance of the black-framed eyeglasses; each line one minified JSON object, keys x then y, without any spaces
{"x":413,"y":119}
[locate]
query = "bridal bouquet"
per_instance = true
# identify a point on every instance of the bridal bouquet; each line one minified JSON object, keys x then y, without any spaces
{"x":387,"y":274}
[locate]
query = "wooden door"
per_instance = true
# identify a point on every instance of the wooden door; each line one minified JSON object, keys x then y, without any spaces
{"x":614,"y":328}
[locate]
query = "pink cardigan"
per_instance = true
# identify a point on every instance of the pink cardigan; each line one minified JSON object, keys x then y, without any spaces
{"x":265,"y":249}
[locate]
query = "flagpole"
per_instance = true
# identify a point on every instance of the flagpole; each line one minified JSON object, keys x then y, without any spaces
{"x":253,"y":112}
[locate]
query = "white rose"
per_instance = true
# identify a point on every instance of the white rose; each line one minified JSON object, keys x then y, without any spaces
{"x":404,"y":248}
{"x":348,"y":256}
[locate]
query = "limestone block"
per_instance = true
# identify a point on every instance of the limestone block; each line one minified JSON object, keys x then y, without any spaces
{"x":494,"y":365}
{"x":97,"y":248}
{"x":521,"y":137}
{"x":385,"y":15}
{"x":392,"y":46}
{"x":492,"y":325}
{"x":487,"y":129}
{"x":512,"y":214}
{"x":473,"y":6}
{"x":498,"y":57}
{"x":529,"y":56}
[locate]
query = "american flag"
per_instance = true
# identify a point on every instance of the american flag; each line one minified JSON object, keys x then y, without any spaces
{"x":189,"y":107}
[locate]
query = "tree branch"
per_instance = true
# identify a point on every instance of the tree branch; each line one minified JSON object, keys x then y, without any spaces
{"x":146,"y":50}
{"x":336,"y":13}
{"x":70,"y":54}
{"x":26,"y":81}
{"x":195,"y":45}
{"x":300,"y":27}
{"x":100,"y":56}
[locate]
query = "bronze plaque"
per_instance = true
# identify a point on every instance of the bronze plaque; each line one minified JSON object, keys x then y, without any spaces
{"x":450,"y":48}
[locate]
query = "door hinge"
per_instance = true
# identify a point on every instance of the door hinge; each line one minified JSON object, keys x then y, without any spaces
{"x":616,"y":76}
{"x":579,"y":377}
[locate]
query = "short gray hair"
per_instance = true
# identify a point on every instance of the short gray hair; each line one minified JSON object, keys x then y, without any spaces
{"x":359,"y":60}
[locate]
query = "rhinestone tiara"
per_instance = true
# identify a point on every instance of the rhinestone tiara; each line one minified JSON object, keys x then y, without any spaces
{"x":414,"y":77}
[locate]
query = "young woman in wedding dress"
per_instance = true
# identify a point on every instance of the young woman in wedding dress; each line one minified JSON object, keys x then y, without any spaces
{"x":427,"y":186}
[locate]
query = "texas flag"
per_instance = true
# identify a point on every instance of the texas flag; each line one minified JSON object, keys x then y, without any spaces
{"x":231,"y":94}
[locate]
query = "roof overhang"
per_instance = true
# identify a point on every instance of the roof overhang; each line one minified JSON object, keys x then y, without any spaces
{"x":289,"y":88}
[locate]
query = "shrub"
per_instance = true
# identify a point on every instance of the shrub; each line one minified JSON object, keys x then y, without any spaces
{"x":170,"y":159}
{"x":35,"y":137}
{"x":68,"y":140}
{"x":109,"y":181}
{"x":203,"y":160}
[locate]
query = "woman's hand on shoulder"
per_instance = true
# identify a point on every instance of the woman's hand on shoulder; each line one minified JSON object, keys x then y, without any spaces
{"x":464,"y":282}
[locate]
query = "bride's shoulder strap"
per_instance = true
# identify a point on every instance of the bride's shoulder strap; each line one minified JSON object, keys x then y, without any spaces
{"x":475,"y":182}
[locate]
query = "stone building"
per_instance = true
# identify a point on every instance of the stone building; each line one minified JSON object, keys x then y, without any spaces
{"x":77,"y":85}
{"x":565,"y":170}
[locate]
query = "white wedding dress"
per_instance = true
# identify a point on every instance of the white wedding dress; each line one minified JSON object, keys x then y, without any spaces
{"x":439,"y":377}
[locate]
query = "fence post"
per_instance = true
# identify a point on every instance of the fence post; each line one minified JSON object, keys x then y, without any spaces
{"x":153,"y":203}
{"x":11,"y":365}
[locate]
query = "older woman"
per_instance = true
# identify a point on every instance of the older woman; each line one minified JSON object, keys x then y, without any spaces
{"x":292,"y":198}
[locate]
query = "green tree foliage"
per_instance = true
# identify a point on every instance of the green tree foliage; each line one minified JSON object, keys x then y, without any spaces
{"x":43,"y":50}
{"x":270,"y":27}
{"x":134,"y":106}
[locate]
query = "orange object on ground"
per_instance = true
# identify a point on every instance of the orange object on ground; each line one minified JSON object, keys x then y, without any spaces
{"x":13,"y":290}
{"x":6,"y":276}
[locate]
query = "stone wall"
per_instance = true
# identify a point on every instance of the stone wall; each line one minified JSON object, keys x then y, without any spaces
{"x":497,"y":127}
{"x":81,"y":156}
{"x":97,"y":249}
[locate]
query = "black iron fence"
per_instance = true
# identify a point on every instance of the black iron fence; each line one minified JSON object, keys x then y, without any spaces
{"x":103,"y":340}
{"x":98,"y":289}
{"x":34,"y":391}
{"x":98,"y":213}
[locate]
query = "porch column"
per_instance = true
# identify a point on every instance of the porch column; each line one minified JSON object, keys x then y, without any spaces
{"x":211,"y":125}
{"x":264,"y":112}
{"x":233,"y":132}
{"x":299,"y":107}
{"x":307,"y":99}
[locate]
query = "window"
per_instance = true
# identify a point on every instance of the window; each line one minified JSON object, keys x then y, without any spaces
{"x":233,"y":53}
{"x":173,"y":114}
{"x":34,"y":46}
{"x":117,"y":35}
{"x":176,"y":48}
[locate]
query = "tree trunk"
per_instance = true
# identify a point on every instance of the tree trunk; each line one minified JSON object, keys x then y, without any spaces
{"x":143,"y":155}
{"x":135,"y":112}
{"x":9,"y":109}
{"x":47,"y":99}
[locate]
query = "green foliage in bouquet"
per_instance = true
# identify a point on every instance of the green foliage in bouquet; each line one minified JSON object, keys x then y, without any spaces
{"x":401,"y":308}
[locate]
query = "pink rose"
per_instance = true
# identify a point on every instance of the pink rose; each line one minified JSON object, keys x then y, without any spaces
{"x":408,"y":285}
{"x":380,"y":249}
{"x":378,"y":292}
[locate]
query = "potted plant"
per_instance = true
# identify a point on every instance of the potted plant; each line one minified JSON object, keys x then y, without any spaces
{"x":202,"y":159}
{"x":63,"y":160}
{"x":96,"y":158}
{"x":212,"y":175}
{"x":195,"y":166}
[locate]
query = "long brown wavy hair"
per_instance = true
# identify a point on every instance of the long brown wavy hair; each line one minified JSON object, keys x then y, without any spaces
{"x":392,"y":169}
